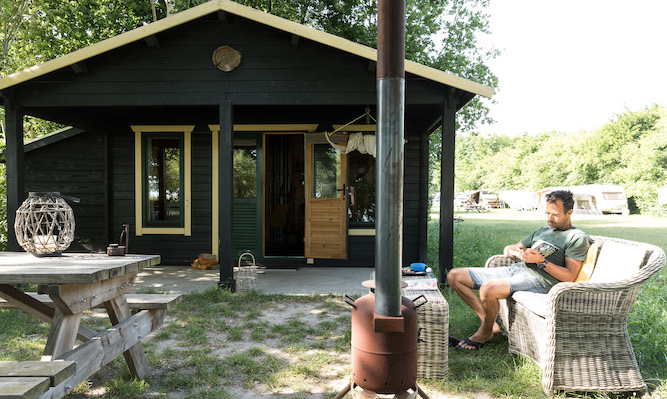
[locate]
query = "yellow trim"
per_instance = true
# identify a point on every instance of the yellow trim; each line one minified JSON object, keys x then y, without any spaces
{"x":215,"y":194}
{"x":294,"y":127}
{"x":245,"y":12}
{"x":361,"y":232}
{"x":163,"y":230}
{"x":186,"y":230}
{"x":276,"y":128}
{"x":355,"y":128}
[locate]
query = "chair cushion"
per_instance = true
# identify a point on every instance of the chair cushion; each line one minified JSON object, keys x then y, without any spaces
{"x":589,"y":264}
{"x":536,"y":303}
{"x":617,"y":262}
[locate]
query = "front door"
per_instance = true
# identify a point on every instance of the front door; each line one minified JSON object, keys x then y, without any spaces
{"x":326,"y":203}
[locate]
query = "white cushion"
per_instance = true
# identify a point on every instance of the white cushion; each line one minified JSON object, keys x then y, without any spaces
{"x":617,"y":262}
{"x":536,"y":303}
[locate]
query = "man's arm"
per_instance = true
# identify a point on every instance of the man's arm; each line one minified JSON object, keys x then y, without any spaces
{"x":567,"y":273}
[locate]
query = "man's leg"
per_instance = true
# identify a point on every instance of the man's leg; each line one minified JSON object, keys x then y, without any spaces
{"x":486,"y":307}
{"x":490,"y":293}
{"x":459,"y":279}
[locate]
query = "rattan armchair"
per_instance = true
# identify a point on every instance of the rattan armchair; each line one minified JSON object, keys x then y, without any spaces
{"x":578,"y":332}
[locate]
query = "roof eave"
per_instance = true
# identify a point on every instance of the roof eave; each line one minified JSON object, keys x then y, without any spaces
{"x":245,"y":12}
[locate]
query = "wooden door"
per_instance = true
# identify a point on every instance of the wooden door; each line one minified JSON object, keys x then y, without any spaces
{"x":326,"y":203}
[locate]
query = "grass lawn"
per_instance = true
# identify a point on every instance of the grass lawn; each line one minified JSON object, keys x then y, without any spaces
{"x":479,"y":236}
{"x":222,"y":345}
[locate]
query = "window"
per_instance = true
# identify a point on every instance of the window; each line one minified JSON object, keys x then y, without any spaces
{"x":614,"y":196}
{"x":162,"y":179}
{"x":326,"y":171}
{"x":245,"y":169}
{"x":361,"y":210}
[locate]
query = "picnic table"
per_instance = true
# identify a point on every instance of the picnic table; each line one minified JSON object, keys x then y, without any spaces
{"x":476,"y":207}
{"x":76,"y":283}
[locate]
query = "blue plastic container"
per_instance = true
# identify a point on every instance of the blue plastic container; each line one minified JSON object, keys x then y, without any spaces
{"x":418,"y":267}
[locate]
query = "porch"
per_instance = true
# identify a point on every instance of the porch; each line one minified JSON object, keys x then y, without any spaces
{"x":302,"y":281}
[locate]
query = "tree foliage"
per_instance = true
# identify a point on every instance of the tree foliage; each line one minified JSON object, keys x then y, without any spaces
{"x":439,"y":33}
{"x":630,"y":151}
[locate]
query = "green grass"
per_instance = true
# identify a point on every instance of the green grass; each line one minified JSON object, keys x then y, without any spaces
{"x":217,"y":340}
{"x":501,"y":374}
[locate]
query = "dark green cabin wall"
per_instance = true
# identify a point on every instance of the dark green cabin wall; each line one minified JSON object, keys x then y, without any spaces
{"x":74,"y":167}
{"x":174,"y":249}
{"x":180,"y":71}
{"x":130,"y":85}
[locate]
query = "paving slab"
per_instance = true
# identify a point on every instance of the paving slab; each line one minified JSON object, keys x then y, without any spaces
{"x":302,"y":281}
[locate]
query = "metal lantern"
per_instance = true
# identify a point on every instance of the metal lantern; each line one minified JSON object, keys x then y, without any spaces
{"x":44,"y":224}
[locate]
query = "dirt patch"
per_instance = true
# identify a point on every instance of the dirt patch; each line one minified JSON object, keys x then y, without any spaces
{"x":283,"y":349}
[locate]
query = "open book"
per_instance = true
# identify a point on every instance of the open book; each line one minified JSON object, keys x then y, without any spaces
{"x":544,"y":248}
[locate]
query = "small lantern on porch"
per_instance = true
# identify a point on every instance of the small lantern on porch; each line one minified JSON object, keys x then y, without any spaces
{"x":44,"y":224}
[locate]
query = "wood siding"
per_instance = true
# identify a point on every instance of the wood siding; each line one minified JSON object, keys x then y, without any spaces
{"x":75,"y":167}
{"x":177,"y":83}
{"x":180,"y":72}
{"x":174,"y":249}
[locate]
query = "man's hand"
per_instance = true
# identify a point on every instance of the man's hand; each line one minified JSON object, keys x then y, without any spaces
{"x":513,"y":250}
{"x":533,"y":256}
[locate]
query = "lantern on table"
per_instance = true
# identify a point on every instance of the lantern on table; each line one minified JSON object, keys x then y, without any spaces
{"x":44,"y":224}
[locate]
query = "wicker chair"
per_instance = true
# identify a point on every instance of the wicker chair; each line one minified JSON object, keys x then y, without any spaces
{"x":578,"y":332}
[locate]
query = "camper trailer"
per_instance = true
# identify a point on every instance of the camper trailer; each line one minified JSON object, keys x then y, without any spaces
{"x":608,"y":198}
{"x":593,"y":199}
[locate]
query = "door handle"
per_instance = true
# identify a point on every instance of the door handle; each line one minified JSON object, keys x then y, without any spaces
{"x":343,"y":190}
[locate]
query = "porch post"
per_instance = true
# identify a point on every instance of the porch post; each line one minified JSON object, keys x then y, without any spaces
{"x":226,"y":196}
{"x":14,"y":168}
{"x":423,"y":196}
{"x":447,"y":155}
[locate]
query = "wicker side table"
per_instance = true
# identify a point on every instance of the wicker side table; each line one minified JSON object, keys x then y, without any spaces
{"x":433,"y":319}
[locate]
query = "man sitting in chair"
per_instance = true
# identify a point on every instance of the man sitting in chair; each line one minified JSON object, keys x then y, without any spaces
{"x":535,"y":272}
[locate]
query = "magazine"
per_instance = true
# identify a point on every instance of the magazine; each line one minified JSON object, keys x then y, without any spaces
{"x":544,"y":248}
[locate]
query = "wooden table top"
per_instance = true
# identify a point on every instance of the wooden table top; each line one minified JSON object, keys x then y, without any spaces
{"x":25,"y":268}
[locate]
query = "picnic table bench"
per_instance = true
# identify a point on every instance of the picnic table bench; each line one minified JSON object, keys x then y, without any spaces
{"x":33,"y":379}
{"x":73,"y":284}
{"x":134,"y":301}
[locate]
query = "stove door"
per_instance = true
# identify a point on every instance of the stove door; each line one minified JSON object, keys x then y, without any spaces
{"x":326,"y":202}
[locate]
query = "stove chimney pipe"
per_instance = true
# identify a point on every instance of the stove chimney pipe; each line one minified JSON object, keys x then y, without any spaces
{"x":390,"y":133}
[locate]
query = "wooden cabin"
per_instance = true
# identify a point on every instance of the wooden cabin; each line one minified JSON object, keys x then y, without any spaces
{"x":205,"y":132}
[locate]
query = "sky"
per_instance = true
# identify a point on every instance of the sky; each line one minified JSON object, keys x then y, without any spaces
{"x":573,"y":65}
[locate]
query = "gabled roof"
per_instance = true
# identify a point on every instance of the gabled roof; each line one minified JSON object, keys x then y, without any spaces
{"x":47,"y":139}
{"x":248,"y":13}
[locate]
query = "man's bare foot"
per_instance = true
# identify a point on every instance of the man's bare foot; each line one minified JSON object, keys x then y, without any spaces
{"x":496,"y":328}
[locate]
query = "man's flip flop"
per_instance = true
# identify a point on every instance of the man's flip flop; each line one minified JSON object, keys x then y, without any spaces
{"x":454,"y":342}
{"x":476,"y":345}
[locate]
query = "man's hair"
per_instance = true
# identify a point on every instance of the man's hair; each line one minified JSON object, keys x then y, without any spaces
{"x":564,"y":196}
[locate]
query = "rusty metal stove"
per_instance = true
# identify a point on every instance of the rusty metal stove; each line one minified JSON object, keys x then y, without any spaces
{"x":384,"y":323}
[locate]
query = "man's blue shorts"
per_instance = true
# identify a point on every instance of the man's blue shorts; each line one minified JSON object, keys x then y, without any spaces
{"x":518,"y":278}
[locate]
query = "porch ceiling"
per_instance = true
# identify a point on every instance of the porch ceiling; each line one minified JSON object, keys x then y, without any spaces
{"x":113,"y":119}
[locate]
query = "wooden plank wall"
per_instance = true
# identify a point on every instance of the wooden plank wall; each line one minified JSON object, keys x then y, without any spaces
{"x":180,"y":71}
{"x":174,"y":249}
{"x":176,"y":83}
{"x":74,"y":167}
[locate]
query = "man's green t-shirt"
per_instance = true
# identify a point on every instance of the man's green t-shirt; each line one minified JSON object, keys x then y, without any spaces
{"x":572,"y":243}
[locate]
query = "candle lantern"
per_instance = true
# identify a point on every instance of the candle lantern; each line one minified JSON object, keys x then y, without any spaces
{"x":44,"y":224}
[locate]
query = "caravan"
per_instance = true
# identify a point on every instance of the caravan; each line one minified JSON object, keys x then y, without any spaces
{"x":608,"y":198}
{"x":593,"y":199}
